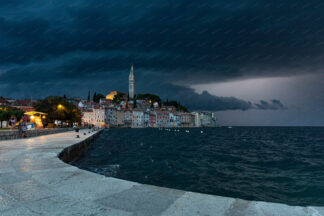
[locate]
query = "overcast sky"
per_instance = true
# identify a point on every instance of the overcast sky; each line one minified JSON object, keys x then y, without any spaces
{"x":256,"y":62}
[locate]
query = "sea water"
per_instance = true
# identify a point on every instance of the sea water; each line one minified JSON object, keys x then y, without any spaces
{"x":275,"y":164}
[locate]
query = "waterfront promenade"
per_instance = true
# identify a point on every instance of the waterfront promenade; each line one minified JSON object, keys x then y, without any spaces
{"x":34,"y":181}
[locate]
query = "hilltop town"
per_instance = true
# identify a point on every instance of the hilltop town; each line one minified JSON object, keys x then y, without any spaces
{"x":119,"y":109}
{"x":116,"y":109}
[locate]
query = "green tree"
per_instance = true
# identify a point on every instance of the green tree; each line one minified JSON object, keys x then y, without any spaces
{"x":18,"y":113}
{"x":150,"y":97}
{"x":134,"y":99}
{"x":176,"y":104}
{"x":7,"y":112}
{"x":4,"y":116}
{"x":1,"y":117}
{"x":97,"y":97}
{"x":119,"y":97}
{"x":94,"y":98}
{"x":58,"y":108}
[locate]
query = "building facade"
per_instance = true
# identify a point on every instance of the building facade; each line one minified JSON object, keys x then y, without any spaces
{"x":152,"y":121}
{"x":95,"y":116}
{"x":138,"y":119}
{"x":204,"y":119}
{"x":128,"y":118}
{"x":197,"y":119}
{"x":111,"y":117}
{"x":187,"y":120}
{"x":146,"y":119}
{"x":162,"y":118}
{"x":173,"y":121}
{"x":120,"y":118}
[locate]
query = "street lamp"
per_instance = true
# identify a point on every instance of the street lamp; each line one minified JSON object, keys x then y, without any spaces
{"x":60,"y":106}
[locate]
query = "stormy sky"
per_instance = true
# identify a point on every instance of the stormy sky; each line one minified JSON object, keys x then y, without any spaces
{"x":255,"y":62}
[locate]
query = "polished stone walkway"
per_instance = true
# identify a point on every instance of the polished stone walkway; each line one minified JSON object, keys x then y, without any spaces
{"x":34,"y":181}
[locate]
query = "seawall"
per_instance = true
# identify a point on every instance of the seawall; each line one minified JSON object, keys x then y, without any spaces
{"x":14,"y":134}
{"x":73,"y":152}
{"x":34,"y":181}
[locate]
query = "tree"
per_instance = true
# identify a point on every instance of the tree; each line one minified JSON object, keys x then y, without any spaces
{"x":134,"y":99}
{"x":176,"y":104}
{"x":18,"y":113}
{"x":1,"y":118}
{"x":119,"y":97}
{"x":7,"y":112}
{"x":97,"y":97}
{"x":58,"y":108}
{"x":4,"y":116}
{"x":150,"y":97}
{"x":94,"y":98}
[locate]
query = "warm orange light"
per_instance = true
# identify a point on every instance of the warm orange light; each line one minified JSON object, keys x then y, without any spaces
{"x":60,"y":106}
{"x":44,"y":117}
{"x":111,"y":95}
{"x":32,"y":117}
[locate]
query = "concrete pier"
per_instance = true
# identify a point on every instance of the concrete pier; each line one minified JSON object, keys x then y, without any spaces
{"x":34,"y":181}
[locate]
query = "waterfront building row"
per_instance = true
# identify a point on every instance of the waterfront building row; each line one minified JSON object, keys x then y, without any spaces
{"x":139,"y":118}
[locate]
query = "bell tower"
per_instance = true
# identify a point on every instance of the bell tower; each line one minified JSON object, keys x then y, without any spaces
{"x":131,"y":90}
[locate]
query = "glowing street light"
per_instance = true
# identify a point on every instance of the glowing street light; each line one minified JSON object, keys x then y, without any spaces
{"x":60,"y":106}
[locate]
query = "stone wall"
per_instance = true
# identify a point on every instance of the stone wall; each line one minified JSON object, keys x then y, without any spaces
{"x":14,"y":134}
{"x":73,"y":152}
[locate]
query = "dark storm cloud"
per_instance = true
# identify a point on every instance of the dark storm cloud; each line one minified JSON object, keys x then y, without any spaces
{"x":208,"y":102}
{"x":83,"y":43}
{"x":273,"y":105}
{"x":71,"y":70}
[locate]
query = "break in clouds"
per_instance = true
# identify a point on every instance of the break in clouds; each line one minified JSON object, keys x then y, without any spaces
{"x":56,"y":48}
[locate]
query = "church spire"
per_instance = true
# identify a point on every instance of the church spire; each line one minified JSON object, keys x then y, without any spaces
{"x":131,"y":90}
{"x":131,"y":73}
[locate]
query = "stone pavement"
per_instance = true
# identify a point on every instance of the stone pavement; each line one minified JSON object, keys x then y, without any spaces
{"x":34,"y":181}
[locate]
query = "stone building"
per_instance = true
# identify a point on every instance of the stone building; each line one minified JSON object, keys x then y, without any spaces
{"x":111,"y":116}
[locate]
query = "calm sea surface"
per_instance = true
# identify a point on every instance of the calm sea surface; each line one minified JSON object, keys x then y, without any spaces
{"x":276,"y":164}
